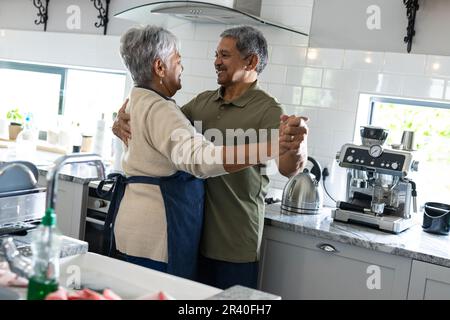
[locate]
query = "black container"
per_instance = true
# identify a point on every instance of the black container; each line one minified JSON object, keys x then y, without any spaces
{"x":374,"y":133}
{"x":436,"y":218}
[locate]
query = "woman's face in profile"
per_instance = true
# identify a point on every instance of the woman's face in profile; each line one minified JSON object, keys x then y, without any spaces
{"x":174,"y":68}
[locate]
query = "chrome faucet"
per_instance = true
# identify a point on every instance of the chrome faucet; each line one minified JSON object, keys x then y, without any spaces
{"x":52,"y":175}
{"x":16,"y":261}
{"x":9,"y":166}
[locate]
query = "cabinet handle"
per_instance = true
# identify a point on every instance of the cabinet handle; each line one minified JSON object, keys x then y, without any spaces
{"x":327,"y":247}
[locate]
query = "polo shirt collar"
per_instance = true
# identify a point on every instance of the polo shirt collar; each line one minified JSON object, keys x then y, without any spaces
{"x":241,"y":101}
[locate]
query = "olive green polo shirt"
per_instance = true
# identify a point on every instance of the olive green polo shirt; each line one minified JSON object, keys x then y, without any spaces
{"x":234,"y":203}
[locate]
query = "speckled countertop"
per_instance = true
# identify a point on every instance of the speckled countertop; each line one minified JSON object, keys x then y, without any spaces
{"x":69,"y":246}
{"x":243,"y":293}
{"x":412,"y":243}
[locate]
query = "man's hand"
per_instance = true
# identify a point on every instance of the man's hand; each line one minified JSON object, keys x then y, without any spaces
{"x":293,"y":145}
{"x":121,"y":127}
{"x":293,"y":131}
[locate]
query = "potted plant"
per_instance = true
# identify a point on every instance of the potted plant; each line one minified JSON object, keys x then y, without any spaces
{"x":15,"y":123}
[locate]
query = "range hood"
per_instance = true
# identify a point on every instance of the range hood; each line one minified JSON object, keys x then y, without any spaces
{"x":234,"y":12}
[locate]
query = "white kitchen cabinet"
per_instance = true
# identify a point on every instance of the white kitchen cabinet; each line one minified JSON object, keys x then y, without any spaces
{"x":297,"y":266}
{"x":429,"y":281}
{"x":70,"y":207}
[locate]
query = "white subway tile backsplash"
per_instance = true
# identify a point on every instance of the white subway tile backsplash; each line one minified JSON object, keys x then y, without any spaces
{"x":404,"y":63}
{"x":326,"y":58}
{"x":194,"y":49}
{"x":187,"y":69}
{"x":363,"y":60}
{"x":438,"y":66}
{"x":323,"y":98}
{"x":374,"y":82}
{"x":341,"y":137}
{"x":341,"y":79}
{"x":422,"y":87}
{"x":210,"y":84}
{"x":182,"y":98}
{"x":311,"y":77}
{"x":320,"y":138}
{"x":209,"y":31}
{"x":348,"y":100}
{"x":185,"y":31}
{"x":203,"y":67}
{"x":331,"y":119}
{"x":192,"y":85}
{"x":274,"y":74}
{"x":295,"y":56}
{"x":286,"y":94}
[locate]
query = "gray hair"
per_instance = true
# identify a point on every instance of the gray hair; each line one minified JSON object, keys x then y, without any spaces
{"x":141,"y":46}
{"x":249,"y":41}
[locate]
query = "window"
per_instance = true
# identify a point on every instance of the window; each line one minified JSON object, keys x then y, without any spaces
{"x":32,"y":89}
{"x":48,"y":93}
{"x":431,"y":123}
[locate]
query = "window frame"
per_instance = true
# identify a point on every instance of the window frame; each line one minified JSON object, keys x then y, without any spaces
{"x":62,"y":71}
{"x":407,"y":102}
{"x":41,"y":69}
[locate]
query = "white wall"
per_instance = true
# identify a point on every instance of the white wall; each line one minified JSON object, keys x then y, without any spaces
{"x":323,"y":84}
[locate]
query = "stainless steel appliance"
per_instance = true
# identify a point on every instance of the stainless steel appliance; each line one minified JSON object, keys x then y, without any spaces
{"x":379,"y":193}
{"x":97,"y":208}
{"x":302,"y":193}
{"x":22,"y":204}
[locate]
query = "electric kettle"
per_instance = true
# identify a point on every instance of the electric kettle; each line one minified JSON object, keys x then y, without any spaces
{"x":302,"y":193}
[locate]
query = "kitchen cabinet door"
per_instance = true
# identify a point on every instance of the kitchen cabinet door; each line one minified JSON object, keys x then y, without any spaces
{"x":429,"y":281}
{"x":298,"y":266}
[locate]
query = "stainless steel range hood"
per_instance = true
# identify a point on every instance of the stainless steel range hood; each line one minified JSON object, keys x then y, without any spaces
{"x":238,"y":12}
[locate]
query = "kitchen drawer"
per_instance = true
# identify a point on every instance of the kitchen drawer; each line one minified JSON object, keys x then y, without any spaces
{"x":297,"y":266}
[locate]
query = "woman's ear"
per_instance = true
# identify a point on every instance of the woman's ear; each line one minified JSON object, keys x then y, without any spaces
{"x":159,"y":68}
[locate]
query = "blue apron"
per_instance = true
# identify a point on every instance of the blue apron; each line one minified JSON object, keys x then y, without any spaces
{"x":183,"y":196}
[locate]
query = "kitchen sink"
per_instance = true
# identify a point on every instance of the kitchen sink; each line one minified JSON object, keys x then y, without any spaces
{"x":129,"y":281}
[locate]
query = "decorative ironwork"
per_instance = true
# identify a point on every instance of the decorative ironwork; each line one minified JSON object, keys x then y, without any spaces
{"x":411,"y":8}
{"x":42,"y":14}
{"x":102,"y":14}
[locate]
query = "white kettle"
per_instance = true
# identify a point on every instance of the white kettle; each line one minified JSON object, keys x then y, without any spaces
{"x":302,"y":193}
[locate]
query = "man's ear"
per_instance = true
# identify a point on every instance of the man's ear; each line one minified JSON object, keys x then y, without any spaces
{"x":159,"y":68}
{"x":252,"y":62}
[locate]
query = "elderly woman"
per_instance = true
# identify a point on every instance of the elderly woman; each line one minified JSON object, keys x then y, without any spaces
{"x":159,"y":205}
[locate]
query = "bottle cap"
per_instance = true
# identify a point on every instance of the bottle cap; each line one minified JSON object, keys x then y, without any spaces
{"x":49,"y":218}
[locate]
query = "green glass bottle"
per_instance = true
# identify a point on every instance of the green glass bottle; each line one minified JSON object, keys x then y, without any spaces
{"x":45,"y":247}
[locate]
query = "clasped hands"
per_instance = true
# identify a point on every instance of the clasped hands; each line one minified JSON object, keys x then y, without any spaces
{"x":293,"y":133}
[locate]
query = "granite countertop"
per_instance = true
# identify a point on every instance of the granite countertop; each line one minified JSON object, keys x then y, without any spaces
{"x":412,"y":243}
{"x":69,"y":246}
{"x":243,"y":293}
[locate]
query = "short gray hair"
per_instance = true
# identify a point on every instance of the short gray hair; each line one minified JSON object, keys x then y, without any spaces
{"x":249,"y":41}
{"x":141,"y":46}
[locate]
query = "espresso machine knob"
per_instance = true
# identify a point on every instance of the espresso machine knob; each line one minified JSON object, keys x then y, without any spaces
{"x":415,"y":166}
{"x":394,"y":165}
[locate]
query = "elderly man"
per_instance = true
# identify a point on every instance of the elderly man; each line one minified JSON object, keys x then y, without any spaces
{"x":234,"y":203}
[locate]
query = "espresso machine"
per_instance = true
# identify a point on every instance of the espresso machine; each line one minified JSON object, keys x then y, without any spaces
{"x":378,"y":191}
